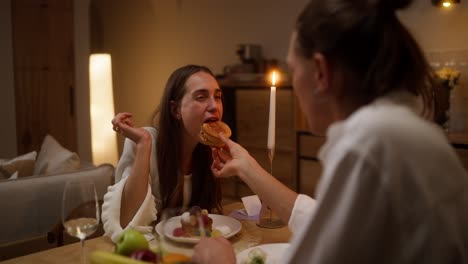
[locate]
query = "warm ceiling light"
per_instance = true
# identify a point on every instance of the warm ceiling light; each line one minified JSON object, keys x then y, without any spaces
{"x":444,"y":3}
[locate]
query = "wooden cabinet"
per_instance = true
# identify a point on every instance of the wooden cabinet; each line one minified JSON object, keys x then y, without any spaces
{"x":308,"y":167}
{"x":246,"y":111}
{"x":43,"y":57}
{"x":460,"y":142}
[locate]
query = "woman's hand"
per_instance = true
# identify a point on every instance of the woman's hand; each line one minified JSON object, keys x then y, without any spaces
{"x":231,"y":160}
{"x":214,"y":250}
{"x":235,"y":160}
{"x":123,"y":124}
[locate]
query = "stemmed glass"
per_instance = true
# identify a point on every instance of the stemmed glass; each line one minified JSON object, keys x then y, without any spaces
{"x":80,"y":211}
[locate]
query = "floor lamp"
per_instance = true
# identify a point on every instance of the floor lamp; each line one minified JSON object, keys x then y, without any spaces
{"x":103,"y":138}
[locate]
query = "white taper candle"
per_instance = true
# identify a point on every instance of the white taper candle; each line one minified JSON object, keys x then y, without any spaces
{"x":272,"y":118}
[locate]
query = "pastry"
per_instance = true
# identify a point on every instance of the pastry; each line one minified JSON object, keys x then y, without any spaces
{"x":209,"y":133}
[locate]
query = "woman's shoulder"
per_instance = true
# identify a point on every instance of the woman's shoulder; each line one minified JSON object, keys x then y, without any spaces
{"x":382,"y":119}
{"x":392,"y":114}
{"x":393,"y":125}
{"x":152,"y":131}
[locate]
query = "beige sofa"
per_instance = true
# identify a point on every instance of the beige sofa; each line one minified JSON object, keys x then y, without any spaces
{"x":31,"y":208}
{"x":31,"y":196}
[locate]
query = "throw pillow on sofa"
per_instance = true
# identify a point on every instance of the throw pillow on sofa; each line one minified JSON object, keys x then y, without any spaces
{"x":23,"y":166}
{"x":53,"y":158}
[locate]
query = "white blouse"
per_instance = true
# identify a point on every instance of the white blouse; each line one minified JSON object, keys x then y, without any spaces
{"x":147,"y":212}
{"x":392,"y":191}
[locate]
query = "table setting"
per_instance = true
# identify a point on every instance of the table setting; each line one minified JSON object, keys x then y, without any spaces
{"x":244,"y":232}
{"x":248,"y":235}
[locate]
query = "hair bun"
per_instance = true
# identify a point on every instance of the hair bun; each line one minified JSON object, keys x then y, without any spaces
{"x":396,"y":4}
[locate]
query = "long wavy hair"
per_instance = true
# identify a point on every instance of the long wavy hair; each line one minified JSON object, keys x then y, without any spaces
{"x":366,"y":38}
{"x":206,"y":189}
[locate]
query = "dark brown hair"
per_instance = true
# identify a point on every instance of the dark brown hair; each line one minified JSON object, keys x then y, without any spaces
{"x":367,"y":40}
{"x":206,"y":190}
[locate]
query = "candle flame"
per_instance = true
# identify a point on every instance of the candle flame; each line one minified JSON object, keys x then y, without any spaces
{"x":273,"y":78}
{"x":446,"y":4}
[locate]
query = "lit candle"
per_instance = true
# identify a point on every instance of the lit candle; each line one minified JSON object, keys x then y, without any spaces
{"x":272,"y":118}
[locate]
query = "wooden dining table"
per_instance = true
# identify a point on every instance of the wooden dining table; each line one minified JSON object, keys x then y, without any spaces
{"x":250,"y":235}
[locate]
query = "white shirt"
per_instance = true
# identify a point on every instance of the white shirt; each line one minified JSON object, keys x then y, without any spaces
{"x":147,"y":212}
{"x":393,"y":191}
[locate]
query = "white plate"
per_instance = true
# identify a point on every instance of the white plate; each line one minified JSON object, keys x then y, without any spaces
{"x":274,"y":252}
{"x":218,"y":220}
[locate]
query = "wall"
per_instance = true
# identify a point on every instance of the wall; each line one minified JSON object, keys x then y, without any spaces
{"x":437,"y":28}
{"x":443,"y":35}
{"x":7,"y":98}
{"x":127,"y":30}
{"x":150,"y":38}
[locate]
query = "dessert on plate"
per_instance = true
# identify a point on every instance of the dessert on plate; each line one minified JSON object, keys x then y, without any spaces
{"x":194,"y":222}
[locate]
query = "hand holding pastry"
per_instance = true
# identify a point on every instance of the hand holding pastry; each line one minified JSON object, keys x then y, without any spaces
{"x":231,"y":160}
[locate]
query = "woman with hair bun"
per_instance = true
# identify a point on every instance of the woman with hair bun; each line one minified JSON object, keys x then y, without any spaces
{"x":393,"y":189}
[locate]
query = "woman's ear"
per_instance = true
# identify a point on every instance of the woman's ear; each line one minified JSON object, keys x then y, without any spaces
{"x":174,"y":109}
{"x":322,"y":73}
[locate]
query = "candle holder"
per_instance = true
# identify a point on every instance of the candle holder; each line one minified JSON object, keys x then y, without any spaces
{"x":267,"y":218}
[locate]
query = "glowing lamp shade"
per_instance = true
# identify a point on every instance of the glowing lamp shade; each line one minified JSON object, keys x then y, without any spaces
{"x":445,"y":3}
{"x":103,"y":138}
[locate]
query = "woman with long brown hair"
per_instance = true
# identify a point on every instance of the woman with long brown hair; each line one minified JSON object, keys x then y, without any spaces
{"x":392,"y":189}
{"x":165,"y":166}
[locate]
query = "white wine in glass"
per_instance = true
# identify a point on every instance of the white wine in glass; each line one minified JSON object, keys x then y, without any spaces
{"x":80,"y":211}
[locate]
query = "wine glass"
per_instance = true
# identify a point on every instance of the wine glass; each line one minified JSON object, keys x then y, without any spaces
{"x":80,"y":211}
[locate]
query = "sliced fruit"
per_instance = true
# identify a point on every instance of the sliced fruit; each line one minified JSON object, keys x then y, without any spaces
{"x":216,"y":233}
{"x":178,"y":232}
{"x":145,"y":255}
{"x":174,"y":258}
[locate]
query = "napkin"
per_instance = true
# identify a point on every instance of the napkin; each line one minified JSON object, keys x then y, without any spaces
{"x":241,"y":214}
{"x":252,"y":205}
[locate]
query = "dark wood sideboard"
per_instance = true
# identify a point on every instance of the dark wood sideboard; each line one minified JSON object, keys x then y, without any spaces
{"x":309,"y":169}
{"x":246,"y":109}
